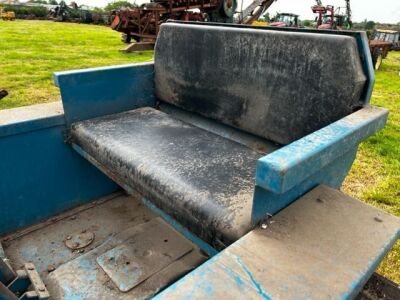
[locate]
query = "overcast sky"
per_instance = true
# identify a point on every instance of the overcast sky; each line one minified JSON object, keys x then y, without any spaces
{"x":381,"y":10}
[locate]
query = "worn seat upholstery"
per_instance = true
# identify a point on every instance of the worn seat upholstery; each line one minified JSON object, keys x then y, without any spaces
{"x":278,"y":85}
{"x":203,"y":180}
{"x":279,"y":88}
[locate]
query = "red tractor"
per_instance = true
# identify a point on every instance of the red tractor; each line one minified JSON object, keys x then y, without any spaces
{"x":285,"y":20}
{"x":330,"y":18}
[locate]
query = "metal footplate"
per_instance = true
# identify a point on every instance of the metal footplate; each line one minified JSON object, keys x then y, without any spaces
{"x":22,"y":284}
{"x":325,"y":245}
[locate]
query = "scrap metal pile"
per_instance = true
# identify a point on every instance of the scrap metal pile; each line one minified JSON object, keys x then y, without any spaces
{"x":142,"y":23}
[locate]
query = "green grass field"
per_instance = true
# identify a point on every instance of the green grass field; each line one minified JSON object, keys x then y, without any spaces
{"x":30,"y":51}
{"x":375,"y":175}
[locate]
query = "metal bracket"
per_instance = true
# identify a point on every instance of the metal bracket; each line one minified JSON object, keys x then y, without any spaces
{"x":15,"y":285}
{"x":7,"y":274}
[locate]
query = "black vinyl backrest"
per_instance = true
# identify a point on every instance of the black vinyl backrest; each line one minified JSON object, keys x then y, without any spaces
{"x":274,"y":84}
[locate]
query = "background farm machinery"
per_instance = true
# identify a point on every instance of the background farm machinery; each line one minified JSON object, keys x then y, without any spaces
{"x":285,"y":20}
{"x":330,"y":18}
{"x":380,"y":43}
{"x":75,"y":13}
{"x":142,"y":23}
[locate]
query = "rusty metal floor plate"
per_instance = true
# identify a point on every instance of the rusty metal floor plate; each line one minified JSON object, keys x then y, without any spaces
{"x":143,"y":255}
{"x":45,"y":244}
{"x":91,"y":231}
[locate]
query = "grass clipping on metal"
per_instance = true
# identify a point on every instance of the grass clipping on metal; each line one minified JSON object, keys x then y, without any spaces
{"x":30,"y":51}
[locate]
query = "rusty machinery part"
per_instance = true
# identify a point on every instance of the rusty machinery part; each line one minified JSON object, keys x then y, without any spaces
{"x":228,"y":8}
{"x":379,"y":50}
{"x":142,"y":23}
{"x":254,"y":11}
{"x":377,"y":58}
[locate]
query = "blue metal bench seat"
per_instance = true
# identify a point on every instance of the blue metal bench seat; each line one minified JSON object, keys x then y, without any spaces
{"x":231,"y":126}
{"x":208,"y":181}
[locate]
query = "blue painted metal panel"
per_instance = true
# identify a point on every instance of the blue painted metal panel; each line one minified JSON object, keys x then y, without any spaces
{"x":289,"y":166}
{"x":29,"y":118}
{"x":268,"y":203}
{"x":314,"y":249}
{"x":366,"y":60}
{"x":22,"y":127}
{"x":96,"y":92}
{"x":213,"y":280}
{"x":42,"y":176}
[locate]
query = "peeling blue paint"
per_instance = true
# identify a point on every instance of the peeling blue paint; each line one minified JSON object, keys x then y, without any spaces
{"x":333,"y":174}
{"x":364,"y":275}
{"x":256,"y":284}
{"x":288,"y":166}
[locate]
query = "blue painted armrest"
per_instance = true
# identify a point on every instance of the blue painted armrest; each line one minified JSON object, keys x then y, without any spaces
{"x":290,"y":165}
{"x":95,"y":92}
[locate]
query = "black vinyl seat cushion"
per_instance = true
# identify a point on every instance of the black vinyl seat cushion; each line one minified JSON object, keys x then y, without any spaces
{"x":205,"y":181}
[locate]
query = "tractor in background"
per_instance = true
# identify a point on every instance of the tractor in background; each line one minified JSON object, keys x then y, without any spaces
{"x":380,"y":43}
{"x":330,"y":18}
{"x":285,"y":20}
{"x":70,"y":13}
{"x":391,"y":36}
